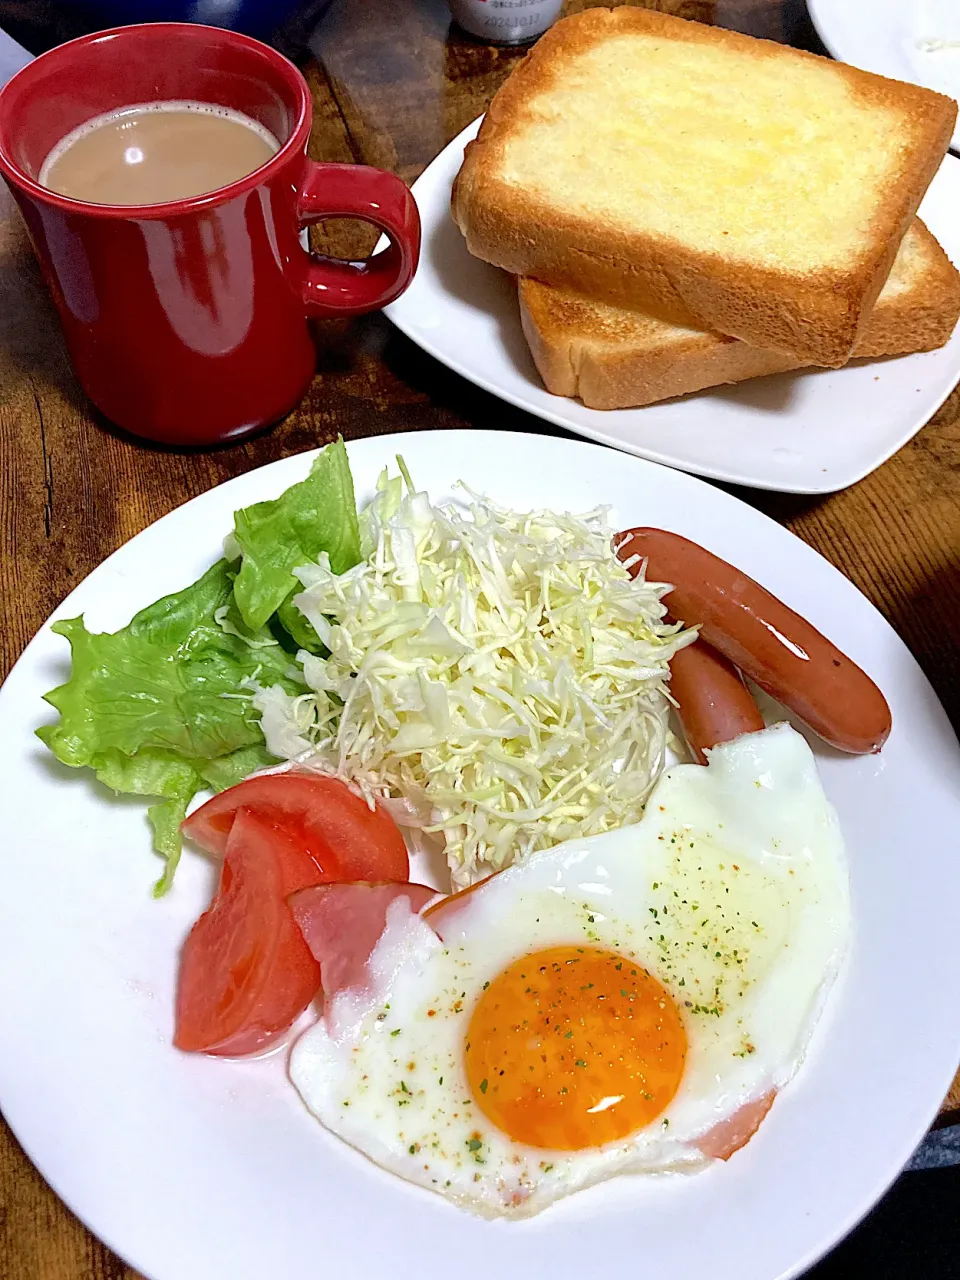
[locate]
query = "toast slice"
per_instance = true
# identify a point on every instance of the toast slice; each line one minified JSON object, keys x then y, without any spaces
{"x":723,"y":182}
{"x":613,"y":358}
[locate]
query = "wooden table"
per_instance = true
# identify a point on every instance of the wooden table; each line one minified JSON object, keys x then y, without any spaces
{"x":392,"y":85}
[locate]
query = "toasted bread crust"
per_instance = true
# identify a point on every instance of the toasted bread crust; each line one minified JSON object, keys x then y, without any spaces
{"x":814,"y":316}
{"x":617,"y":359}
{"x":923,"y":317}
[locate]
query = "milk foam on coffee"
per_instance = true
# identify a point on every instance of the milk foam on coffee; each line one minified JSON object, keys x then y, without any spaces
{"x":151,"y":153}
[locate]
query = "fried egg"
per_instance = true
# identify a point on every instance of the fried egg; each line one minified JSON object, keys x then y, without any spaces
{"x":628,"y":1003}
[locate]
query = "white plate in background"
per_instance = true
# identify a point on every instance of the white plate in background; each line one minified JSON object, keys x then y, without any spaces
{"x":807,"y":432}
{"x":915,"y":40}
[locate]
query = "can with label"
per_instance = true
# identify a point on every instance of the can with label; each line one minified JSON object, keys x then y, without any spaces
{"x":506,"y":21}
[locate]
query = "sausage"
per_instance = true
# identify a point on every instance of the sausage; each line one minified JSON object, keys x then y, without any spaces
{"x":713,"y":703}
{"x":782,"y":652}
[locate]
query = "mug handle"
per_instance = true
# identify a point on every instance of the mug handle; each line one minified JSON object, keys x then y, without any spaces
{"x":332,"y":287}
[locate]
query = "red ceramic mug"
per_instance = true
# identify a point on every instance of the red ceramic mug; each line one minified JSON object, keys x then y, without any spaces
{"x":187,"y":321}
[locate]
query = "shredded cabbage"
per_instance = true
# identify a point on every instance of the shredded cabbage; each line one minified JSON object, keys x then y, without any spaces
{"x":498,"y":671}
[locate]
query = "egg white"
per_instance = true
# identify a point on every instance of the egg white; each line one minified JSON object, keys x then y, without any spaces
{"x":732,"y":891}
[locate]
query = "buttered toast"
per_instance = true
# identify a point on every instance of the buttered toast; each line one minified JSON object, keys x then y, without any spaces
{"x":614,"y":358}
{"x":719,"y":181}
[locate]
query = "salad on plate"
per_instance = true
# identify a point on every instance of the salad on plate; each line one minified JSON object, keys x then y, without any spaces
{"x":497,"y":678}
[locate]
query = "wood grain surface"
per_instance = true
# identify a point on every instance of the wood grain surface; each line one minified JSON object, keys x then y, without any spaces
{"x":392,"y":84}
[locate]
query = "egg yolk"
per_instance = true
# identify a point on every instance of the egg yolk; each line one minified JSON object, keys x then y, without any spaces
{"x":574,"y":1047}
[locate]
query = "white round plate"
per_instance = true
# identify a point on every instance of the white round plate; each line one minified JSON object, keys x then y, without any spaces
{"x":193,"y":1168}
{"x":915,"y":40}
{"x":808,"y":432}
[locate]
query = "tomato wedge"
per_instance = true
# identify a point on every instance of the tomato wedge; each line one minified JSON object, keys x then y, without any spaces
{"x":245,"y":970}
{"x":346,"y":839}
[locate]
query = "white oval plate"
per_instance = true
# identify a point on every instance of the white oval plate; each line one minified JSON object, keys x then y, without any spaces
{"x":810,"y":432}
{"x":893,"y":38}
{"x":192,"y":1168}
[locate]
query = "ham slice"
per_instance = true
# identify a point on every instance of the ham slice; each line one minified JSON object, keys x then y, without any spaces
{"x":342,"y":924}
{"x":730,"y":1135}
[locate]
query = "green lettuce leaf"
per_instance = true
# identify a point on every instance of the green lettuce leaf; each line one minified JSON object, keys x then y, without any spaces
{"x":227,"y":771}
{"x":298,"y":628}
{"x":159,"y":709}
{"x":318,"y":514}
{"x":154,"y":772}
{"x":162,"y":708}
{"x":165,"y":818}
{"x":171,"y":679}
